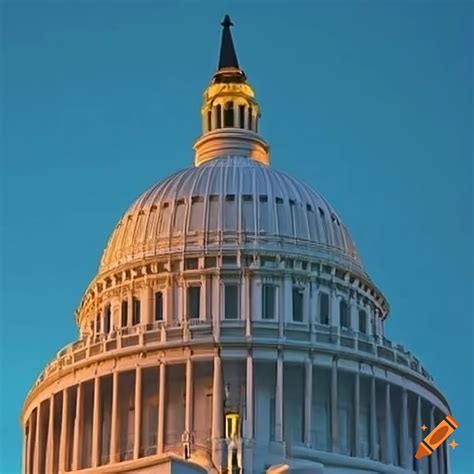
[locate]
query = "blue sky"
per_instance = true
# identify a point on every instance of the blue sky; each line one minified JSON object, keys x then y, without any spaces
{"x":369,"y":102}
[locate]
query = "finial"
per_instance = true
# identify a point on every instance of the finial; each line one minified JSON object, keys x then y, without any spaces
{"x":227,"y":57}
{"x":227,"y":22}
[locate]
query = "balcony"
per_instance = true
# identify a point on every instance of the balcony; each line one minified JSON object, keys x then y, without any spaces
{"x":164,"y":334}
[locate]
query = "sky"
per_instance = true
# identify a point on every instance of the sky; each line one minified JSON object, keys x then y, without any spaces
{"x":369,"y":102}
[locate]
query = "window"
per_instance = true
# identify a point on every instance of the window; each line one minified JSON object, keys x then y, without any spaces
{"x":97,"y":324}
{"x":124,"y":313}
{"x":107,"y":313}
{"x":158,"y":306}
{"x":210,"y":262}
{"x":229,"y":114}
{"x":229,"y":260}
{"x":197,"y":213}
{"x":250,"y":118}
{"x":344,"y":314}
{"x":219,"y":116}
{"x":297,"y":304}
{"x":209,"y":120}
{"x":194,"y":299}
{"x":231,"y":302}
{"x":242,"y":116}
{"x":324,"y":308}
{"x":268,"y":301}
{"x":191,"y":264}
{"x":135,"y":311}
{"x":362,"y":321}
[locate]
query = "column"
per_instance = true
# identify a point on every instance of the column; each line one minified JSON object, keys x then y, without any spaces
{"x":203,"y":299}
{"x":76,"y":454}
{"x":114,"y":418}
{"x":216,"y":307}
{"x":29,"y":441}
{"x":217,"y":413}
{"x":418,"y":432}
{"x":434,"y":456}
{"x":161,"y":410}
{"x":63,"y":441}
{"x":334,"y":439}
{"x":245,"y":301}
{"x":308,"y":401}
{"x":404,"y":458}
{"x":138,"y":412}
{"x":130,"y":309}
{"x":96,"y":425}
{"x":373,"y":420}
{"x":279,"y":400}
{"x":353,"y":314}
{"x":306,"y":304}
{"x":369,"y":320}
{"x":356,"y":412}
{"x":334,"y":317}
{"x":249,"y":397}
{"x":168,"y":302}
{"x":441,"y":458}
{"x":50,"y":448}
{"x":147,"y":305}
{"x":24,"y":446}
{"x":256,"y":298}
{"x":287,"y":299}
{"x":38,"y":442}
{"x":189,"y":396}
{"x":388,"y":445}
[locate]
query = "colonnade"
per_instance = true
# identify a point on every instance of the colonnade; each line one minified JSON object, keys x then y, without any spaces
{"x":109,"y":418}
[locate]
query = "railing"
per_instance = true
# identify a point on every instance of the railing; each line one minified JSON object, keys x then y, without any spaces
{"x":162,"y":333}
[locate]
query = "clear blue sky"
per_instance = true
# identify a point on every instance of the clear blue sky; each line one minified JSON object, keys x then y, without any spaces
{"x":370,"y":102}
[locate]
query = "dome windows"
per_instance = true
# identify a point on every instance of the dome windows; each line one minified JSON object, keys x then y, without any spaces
{"x":268,"y":301}
{"x":324,"y":308}
{"x":231,"y":301}
{"x":193,"y":298}
{"x":344,"y":314}
{"x":124,"y":313}
{"x":362,"y":321}
{"x":297,"y":304}
{"x":136,"y":311}
{"x":158,"y":316}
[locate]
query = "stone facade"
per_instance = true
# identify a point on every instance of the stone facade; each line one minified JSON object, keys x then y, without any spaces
{"x":231,"y":328}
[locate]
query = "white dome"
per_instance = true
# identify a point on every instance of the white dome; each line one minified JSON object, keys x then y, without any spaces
{"x":225,"y":203}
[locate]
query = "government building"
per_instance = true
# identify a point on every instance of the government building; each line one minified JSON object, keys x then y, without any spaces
{"x":231,"y":328}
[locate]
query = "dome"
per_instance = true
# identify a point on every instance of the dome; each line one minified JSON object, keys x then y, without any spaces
{"x":226,"y":203}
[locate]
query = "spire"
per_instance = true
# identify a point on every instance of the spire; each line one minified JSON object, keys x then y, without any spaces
{"x":227,"y":57}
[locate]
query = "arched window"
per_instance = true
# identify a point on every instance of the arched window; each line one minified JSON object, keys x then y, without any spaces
{"x":124,"y":313}
{"x":219,"y":116}
{"x":158,"y":306}
{"x":362,"y":321}
{"x":229,"y":114}
{"x":242,"y":116}
{"x":106,"y":323}
{"x":97,"y":324}
{"x":343,"y":314}
{"x":324,"y":308}
{"x":250,"y":118}
{"x":136,"y":311}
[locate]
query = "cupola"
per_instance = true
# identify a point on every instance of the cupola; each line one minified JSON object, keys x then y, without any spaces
{"x":230,"y":112}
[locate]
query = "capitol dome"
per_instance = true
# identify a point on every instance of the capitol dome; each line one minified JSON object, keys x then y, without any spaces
{"x":230,"y":202}
{"x":231,"y":329}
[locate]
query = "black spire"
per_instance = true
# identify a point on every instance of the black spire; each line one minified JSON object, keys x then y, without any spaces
{"x":227,"y":57}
